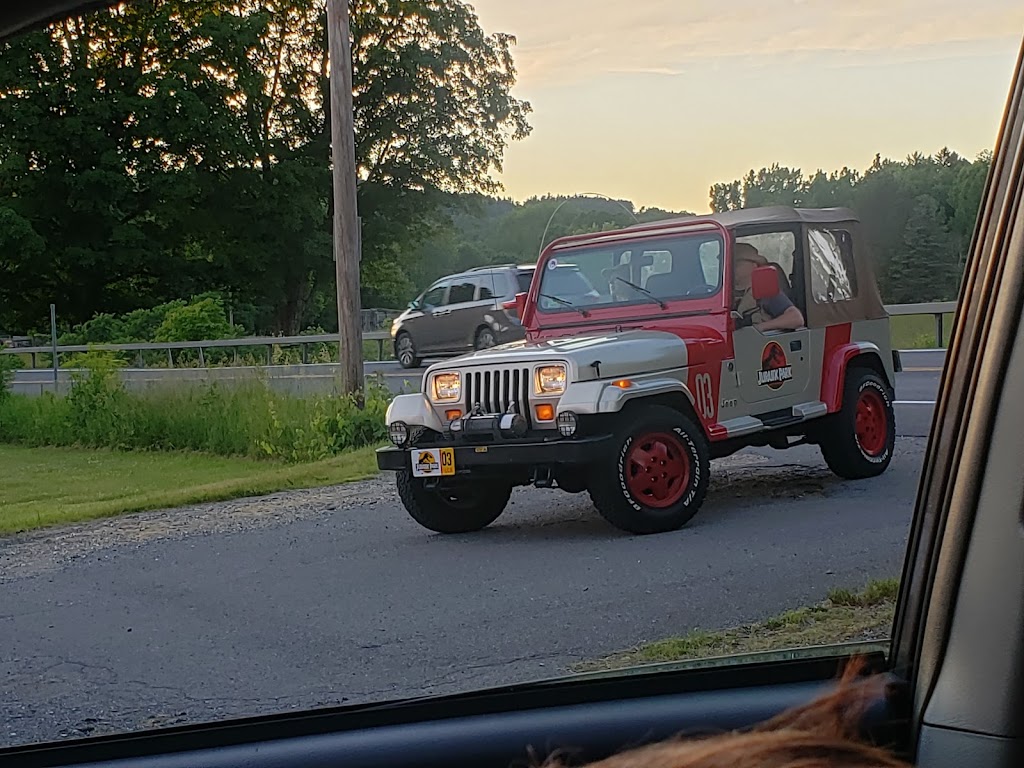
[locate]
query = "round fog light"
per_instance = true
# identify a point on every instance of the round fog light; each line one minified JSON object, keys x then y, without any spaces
{"x":567,"y":423}
{"x":398,"y":433}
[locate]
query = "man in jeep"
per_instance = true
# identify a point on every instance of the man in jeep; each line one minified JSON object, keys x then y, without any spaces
{"x":775,"y":314}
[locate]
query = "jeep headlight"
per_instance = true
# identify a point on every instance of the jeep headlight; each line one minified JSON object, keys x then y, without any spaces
{"x":446,"y":387}
{"x":551,"y":380}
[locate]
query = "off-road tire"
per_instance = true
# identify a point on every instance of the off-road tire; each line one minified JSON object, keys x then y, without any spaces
{"x":631,"y":489}
{"x":484,"y":339}
{"x":482,"y":504}
{"x":856,"y":442}
{"x":406,"y":360}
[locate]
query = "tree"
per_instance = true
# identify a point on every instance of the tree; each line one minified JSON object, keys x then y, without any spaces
{"x":726,"y":196}
{"x":776,"y":185}
{"x":965,"y":197}
{"x":884,"y":198}
{"x":830,"y":190}
{"x":924,"y":268}
{"x":160,"y":148}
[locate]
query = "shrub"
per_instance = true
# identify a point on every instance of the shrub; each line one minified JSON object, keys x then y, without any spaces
{"x":8,"y":365}
{"x":248,"y":419}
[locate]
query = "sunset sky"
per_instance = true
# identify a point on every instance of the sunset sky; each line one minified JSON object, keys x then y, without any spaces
{"x":655,"y":100}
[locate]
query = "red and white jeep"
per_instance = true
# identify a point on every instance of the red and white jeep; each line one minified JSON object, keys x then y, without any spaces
{"x":631,"y":387}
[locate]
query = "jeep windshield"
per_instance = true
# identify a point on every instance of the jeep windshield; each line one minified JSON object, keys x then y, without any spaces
{"x":667,"y":269}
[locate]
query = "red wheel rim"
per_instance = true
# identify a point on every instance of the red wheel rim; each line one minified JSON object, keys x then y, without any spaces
{"x":657,"y":469}
{"x":871,"y":423}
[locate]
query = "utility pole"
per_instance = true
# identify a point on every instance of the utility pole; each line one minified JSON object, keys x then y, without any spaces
{"x":343,"y":159}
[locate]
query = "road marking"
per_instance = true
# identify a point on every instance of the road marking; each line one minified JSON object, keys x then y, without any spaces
{"x":919,"y":370}
{"x":913,"y":402}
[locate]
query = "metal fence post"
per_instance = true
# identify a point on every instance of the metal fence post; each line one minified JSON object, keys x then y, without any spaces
{"x":938,"y":330}
{"x":53,"y":345}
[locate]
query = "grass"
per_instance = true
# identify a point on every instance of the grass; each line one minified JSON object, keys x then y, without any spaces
{"x":846,"y":616}
{"x":244,"y":420}
{"x":918,"y":331}
{"x":52,"y":486}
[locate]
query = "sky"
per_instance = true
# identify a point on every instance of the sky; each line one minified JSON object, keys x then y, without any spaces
{"x":656,"y":100}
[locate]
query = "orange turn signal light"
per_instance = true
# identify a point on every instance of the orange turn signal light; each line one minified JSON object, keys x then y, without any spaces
{"x":545,"y":412}
{"x":453,"y":414}
{"x":622,"y":383}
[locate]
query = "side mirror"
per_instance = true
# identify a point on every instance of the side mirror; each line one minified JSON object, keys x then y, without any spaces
{"x":414,"y":304}
{"x":764,"y":283}
{"x":520,"y":304}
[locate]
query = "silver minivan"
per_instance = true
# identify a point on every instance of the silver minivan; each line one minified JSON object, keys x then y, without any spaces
{"x":470,"y":310}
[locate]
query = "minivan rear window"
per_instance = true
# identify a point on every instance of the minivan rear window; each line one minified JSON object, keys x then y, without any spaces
{"x":525,"y":278}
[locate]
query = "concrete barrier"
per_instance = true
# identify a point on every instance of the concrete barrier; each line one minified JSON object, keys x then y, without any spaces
{"x":297,"y":380}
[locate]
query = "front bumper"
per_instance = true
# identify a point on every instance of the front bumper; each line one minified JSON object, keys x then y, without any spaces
{"x":517,"y":453}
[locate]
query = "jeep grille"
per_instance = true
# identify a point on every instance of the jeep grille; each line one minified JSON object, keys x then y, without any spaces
{"x":496,"y":389}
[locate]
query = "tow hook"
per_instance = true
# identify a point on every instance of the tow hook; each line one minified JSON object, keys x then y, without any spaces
{"x":542,"y":478}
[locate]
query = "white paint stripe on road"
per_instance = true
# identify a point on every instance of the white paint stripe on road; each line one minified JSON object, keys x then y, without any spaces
{"x":913,"y":351}
{"x":913,"y":402}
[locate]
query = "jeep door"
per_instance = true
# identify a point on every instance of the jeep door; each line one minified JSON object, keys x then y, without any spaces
{"x":773,"y":368}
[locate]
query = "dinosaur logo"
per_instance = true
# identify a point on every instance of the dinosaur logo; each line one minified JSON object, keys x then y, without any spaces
{"x":775,"y":368}
{"x":427,"y":463}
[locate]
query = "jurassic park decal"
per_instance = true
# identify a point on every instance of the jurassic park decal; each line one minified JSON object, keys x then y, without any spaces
{"x":775,"y":368}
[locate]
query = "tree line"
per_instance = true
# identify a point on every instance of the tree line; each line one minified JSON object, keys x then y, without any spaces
{"x":918,"y":216}
{"x":170,"y":149}
{"x":166,"y":148}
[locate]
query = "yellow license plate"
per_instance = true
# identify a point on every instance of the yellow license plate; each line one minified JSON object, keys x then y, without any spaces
{"x":433,"y":462}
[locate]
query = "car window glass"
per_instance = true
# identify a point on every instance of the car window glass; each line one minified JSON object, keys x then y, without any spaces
{"x":661,"y":262}
{"x":492,"y":285}
{"x":462,"y":290}
{"x":711,"y":261}
{"x":435,"y":296}
{"x":832,"y":272}
{"x":777,"y":247}
{"x":208,"y":212}
{"x":679,"y":267}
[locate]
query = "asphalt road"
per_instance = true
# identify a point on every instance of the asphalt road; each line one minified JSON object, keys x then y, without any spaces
{"x":335,"y":596}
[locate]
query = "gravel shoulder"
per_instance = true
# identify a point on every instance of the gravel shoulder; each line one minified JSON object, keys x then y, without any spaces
{"x":29,"y":554}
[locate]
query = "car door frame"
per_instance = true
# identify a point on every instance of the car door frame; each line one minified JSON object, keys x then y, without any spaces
{"x":957,"y":656}
{"x":453,"y":318}
{"x":959,"y":638}
{"x":751,"y":345}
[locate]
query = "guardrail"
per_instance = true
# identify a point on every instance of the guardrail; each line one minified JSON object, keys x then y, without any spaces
{"x":937,"y":309}
{"x":138,"y":348}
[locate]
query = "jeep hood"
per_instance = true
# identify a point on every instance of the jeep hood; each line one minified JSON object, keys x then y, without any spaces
{"x":622,"y":353}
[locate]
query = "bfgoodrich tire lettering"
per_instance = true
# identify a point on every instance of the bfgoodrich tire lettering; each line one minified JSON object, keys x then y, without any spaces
{"x":859,"y":440}
{"x":659,"y":474}
{"x":459,"y":509}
